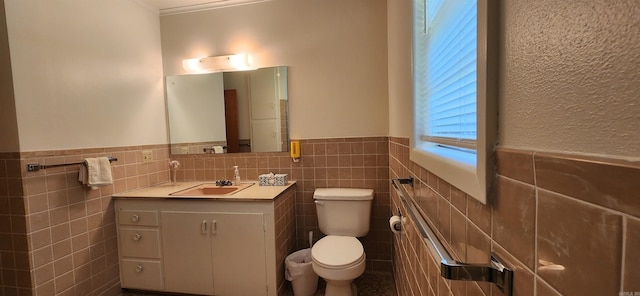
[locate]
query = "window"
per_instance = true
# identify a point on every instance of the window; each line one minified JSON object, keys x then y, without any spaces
{"x":454,"y":92}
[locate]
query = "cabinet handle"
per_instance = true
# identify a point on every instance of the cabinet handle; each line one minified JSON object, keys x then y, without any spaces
{"x":137,"y":237}
{"x":135,"y":218}
{"x":204,"y":226}
{"x":139,"y":268}
{"x":214,"y":227}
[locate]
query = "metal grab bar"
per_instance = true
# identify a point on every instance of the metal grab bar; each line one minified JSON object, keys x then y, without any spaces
{"x":494,"y":272}
{"x":34,"y":167}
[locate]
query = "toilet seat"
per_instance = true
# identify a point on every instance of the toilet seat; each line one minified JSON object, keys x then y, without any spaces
{"x":337,"y":252}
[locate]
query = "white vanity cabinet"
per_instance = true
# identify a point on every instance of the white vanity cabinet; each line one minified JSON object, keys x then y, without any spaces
{"x":199,"y":246}
{"x":226,"y":247}
{"x":139,"y":248}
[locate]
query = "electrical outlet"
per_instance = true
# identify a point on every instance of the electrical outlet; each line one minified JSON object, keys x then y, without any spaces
{"x":147,"y":156}
{"x":184,"y":150}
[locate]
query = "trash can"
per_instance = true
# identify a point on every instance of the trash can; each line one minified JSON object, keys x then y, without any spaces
{"x":299,"y":271}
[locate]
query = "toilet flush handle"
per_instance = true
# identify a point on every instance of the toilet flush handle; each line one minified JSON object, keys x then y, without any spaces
{"x":319,"y":202}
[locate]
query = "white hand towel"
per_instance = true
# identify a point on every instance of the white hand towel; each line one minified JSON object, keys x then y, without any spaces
{"x":218,"y":149}
{"x":96,"y":172}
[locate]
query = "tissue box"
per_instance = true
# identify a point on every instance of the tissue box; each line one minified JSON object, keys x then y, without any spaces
{"x":273,"y":180}
{"x":280,"y":179}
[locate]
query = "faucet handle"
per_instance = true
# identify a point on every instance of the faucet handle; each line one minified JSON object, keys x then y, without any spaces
{"x":223,"y":183}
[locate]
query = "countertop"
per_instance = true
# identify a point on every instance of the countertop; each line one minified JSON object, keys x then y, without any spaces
{"x":253,"y":192}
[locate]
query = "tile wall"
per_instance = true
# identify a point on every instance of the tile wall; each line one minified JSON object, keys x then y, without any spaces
{"x":285,"y":229}
{"x":14,"y":252}
{"x":337,"y":162}
{"x":61,"y":239}
{"x":567,"y":225}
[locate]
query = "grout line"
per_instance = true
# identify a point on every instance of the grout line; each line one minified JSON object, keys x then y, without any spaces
{"x":544,"y":282}
{"x":535,"y":222}
{"x":623,"y":254}
{"x":586,"y":203}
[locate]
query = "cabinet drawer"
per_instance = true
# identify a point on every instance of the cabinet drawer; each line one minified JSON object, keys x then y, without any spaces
{"x":142,"y":218}
{"x":141,"y":274}
{"x":142,"y":243}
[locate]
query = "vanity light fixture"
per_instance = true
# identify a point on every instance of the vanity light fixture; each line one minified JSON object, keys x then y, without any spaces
{"x":235,"y":62}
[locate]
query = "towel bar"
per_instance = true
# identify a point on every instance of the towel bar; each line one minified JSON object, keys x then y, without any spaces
{"x":494,"y":272}
{"x":34,"y":167}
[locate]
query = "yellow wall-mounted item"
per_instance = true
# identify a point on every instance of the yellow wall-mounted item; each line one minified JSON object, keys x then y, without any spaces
{"x":295,"y":150}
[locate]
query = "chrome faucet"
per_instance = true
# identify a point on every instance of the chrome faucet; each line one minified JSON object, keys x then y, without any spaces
{"x":223,"y":183}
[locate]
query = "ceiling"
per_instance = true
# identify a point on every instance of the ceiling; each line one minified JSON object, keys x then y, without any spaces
{"x":166,"y":7}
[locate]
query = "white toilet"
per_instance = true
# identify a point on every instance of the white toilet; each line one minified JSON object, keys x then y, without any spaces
{"x":343,"y":215}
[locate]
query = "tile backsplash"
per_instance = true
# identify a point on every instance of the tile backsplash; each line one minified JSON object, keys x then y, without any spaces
{"x":337,"y":162}
{"x":566,"y":224}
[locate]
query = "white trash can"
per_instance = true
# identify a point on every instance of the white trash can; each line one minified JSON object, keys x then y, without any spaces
{"x":298,"y":270}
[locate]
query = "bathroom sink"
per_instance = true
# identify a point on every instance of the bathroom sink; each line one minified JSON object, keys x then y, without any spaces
{"x":206,"y":189}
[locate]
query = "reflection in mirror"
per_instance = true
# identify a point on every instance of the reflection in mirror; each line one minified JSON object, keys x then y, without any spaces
{"x":228,"y":112}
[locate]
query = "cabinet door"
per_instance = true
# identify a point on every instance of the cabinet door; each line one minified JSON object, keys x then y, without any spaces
{"x":186,"y":252}
{"x":239,"y":258}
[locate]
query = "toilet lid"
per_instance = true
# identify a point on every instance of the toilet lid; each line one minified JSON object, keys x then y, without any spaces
{"x":337,"y":251}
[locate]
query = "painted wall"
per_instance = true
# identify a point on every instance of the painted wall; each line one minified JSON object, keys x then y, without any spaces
{"x":86,"y":74}
{"x":569,"y":78}
{"x":399,"y":63}
{"x":8,"y":120}
{"x":336,"y":52}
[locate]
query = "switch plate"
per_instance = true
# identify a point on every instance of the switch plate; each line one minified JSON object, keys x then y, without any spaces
{"x":147,"y":156}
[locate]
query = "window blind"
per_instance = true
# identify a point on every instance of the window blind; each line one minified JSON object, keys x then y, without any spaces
{"x":446,"y":57}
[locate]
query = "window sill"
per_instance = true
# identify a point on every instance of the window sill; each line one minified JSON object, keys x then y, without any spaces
{"x":461,"y":169}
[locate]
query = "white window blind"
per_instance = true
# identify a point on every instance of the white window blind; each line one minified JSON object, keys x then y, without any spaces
{"x":445,"y":53}
{"x":455,"y":58}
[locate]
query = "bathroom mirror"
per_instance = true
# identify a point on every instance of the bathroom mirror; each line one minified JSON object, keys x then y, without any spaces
{"x":228,"y":112}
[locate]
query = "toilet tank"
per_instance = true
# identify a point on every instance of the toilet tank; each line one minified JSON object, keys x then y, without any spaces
{"x":343,"y":211}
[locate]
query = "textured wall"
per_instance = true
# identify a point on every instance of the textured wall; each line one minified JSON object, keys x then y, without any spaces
{"x":569,"y":76}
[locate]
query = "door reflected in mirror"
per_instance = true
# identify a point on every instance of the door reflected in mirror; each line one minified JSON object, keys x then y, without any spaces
{"x":230,"y":112}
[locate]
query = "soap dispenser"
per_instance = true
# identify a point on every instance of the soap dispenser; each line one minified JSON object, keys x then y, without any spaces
{"x":236,"y":175}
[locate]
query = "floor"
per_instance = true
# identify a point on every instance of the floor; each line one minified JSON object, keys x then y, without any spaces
{"x":369,"y":284}
{"x":372,"y":284}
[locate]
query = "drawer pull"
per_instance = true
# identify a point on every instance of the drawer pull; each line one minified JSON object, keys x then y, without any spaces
{"x":135,"y":218}
{"x":137,"y":237}
{"x":214,"y":227}
{"x":204,"y":227}
{"x":139,"y":268}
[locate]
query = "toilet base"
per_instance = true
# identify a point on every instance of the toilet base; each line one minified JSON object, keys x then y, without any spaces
{"x":341,"y":288}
